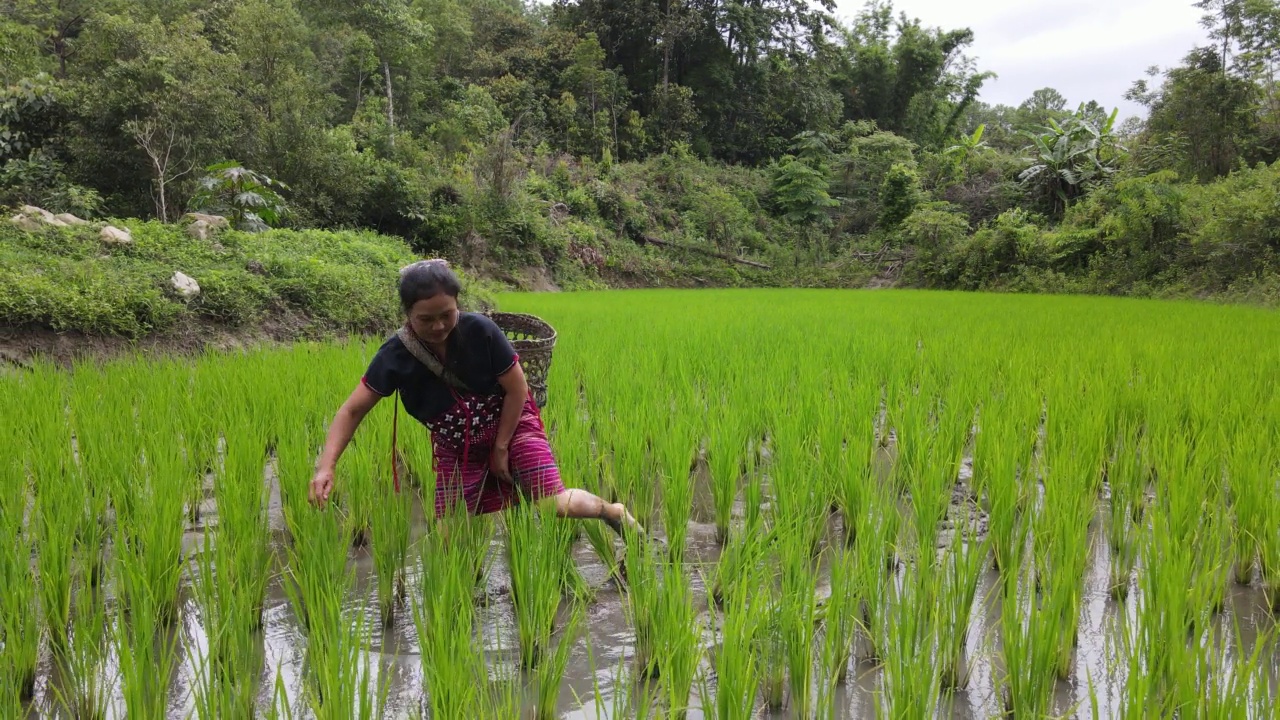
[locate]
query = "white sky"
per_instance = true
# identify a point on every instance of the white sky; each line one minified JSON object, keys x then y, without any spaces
{"x":1086,"y":49}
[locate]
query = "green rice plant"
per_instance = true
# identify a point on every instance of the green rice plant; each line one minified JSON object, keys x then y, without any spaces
{"x":345,"y":687}
{"x":228,"y":666}
{"x":877,"y":529}
{"x":742,"y":557}
{"x":630,"y":471}
{"x":242,"y":494}
{"x":1005,"y":493}
{"x":771,"y":650}
{"x":679,"y":638}
{"x":1028,"y":645}
{"x":1247,"y":478}
{"x":736,"y":661}
{"x":675,"y":448}
{"x":19,"y":620}
{"x":86,"y":689}
{"x":910,"y":685}
{"x":1125,"y":479}
{"x":962,"y":567}
{"x":840,"y":616}
{"x":1165,"y":619}
{"x":146,"y":650}
{"x":643,"y":602}
{"x":855,"y":472}
{"x":535,"y":560}
{"x":453,"y":664}
{"x":1061,"y":542}
{"x":797,"y":610}
{"x":1231,"y":682}
{"x":726,"y":455}
{"x":162,"y":511}
{"x":391,"y":540}
{"x":550,"y":672}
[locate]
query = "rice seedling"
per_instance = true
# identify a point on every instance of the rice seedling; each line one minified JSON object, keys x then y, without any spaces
{"x":840,"y":616}
{"x":389,"y":521}
{"x":675,"y":446}
{"x":855,"y":472}
{"x":962,"y":567}
{"x":1028,"y":644}
{"x":453,"y":665}
{"x":736,"y":660}
{"x":242,"y":494}
{"x":85,"y":690}
{"x":146,"y":649}
{"x":726,"y":455}
{"x":643,"y":602}
{"x":797,"y":611}
{"x":550,"y":672}
{"x":877,"y":529}
{"x":535,"y":560}
{"x":911,"y":683}
{"x":19,"y":625}
{"x":1124,"y":476}
{"x":227,"y":666}
{"x":679,"y":638}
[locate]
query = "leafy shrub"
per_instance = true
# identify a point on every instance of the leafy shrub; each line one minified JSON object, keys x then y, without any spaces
{"x":236,"y":297}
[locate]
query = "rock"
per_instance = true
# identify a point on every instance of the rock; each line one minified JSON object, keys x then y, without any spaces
{"x":256,"y":268}
{"x":31,"y":218}
{"x":32,"y":211}
{"x":26,"y":223}
{"x":185,"y":285}
{"x":217,"y":247}
{"x":215,"y":222}
{"x":70,"y":219}
{"x":200,"y":230}
{"x":112,"y":235}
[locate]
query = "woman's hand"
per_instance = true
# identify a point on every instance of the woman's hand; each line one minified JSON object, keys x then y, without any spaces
{"x":321,"y":486}
{"x":500,"y":463}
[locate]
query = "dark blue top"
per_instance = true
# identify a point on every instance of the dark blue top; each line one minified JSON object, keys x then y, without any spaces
{"x":478,"y":352}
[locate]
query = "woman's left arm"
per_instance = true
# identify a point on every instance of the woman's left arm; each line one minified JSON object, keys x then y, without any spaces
{"x":517,"y":388}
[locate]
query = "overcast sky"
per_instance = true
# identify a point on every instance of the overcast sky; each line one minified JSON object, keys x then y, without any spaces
{"x":1086,"y":49}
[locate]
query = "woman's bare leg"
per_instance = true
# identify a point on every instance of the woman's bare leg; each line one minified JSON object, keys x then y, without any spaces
{"x":576,"y":503}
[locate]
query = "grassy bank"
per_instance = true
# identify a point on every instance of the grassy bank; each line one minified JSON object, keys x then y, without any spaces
{"x":316,"y":282}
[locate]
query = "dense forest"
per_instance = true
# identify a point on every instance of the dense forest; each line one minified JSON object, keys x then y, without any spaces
{"x":639,"y":142}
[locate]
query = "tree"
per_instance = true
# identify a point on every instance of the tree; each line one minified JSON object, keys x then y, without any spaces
{"x":1044,"y":104}
{"x":248,"y":199}
{"x":1068,"y":159}
{"x":1212,"y":109}
{"x":800,"y":191}
{"x":169,"y":154}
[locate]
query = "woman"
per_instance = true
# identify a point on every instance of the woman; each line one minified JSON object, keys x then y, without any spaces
{"x":458,"y":375}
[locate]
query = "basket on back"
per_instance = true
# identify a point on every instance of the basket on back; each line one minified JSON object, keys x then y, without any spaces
{"x":533,"y":340}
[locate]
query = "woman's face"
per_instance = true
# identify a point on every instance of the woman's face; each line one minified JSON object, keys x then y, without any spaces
{"x":433,"y":318}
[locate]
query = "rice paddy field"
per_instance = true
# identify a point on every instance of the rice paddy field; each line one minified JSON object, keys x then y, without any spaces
{"x":862,"y":504}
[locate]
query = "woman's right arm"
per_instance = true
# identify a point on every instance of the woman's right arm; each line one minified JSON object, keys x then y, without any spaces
{"x":344,"y":425}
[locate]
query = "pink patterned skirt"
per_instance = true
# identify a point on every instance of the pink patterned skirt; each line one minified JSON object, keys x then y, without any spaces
{"x":462,"y":441}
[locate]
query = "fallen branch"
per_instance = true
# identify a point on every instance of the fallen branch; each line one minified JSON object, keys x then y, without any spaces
{"x":650,"y":240}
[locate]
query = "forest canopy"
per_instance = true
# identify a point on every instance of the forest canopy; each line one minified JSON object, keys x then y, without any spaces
{"x":568,"y":135}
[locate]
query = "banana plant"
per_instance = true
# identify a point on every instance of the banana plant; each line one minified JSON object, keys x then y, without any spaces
{"x":1067,"y":159}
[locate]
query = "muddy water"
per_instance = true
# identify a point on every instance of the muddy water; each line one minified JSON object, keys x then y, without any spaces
{"x":598,"y":684}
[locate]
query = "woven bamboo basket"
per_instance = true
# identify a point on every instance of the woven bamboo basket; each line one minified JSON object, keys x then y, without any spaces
{"x":534,"y":340}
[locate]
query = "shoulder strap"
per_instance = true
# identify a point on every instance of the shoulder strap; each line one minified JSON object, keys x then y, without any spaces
{"x":426,"y":357}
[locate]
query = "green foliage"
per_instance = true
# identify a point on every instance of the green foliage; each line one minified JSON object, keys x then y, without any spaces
{"x":800,"y":191}
{"x":248,"y":198}
{"x":1068,"y":159}
{"x":899,"y":195}
{"x":320,"y":282}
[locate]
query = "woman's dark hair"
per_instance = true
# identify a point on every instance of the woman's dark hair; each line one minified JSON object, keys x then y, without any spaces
{"x":426,"y":279}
